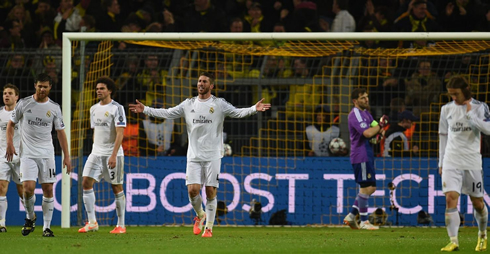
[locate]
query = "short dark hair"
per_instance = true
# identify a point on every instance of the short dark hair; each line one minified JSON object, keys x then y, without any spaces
{"x":209,"y":75}
{"x":44,"y":77}
{"x":11,"y":86}
{"x":111,"y":85}
{"x":459,"y":82}
{"x":356,"y":92}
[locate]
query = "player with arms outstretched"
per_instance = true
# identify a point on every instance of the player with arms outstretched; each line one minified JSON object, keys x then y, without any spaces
{"x":37,"y":114}
{"x":8,"y":170}
{"x":106,"y":161}
{"x":204,"y":116}
{"x":460,"y":162}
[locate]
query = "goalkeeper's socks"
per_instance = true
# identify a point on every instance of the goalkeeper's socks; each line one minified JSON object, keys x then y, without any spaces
{"x":363,"y":199}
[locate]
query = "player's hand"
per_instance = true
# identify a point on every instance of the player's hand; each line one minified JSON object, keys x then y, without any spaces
{"x":137,"y":108}
{"x":440,"y":171}
{"x":383,"y":121}
{"x":260,"y":106}
{"x":67,"y":164}
{"x":112,"y":162}
{"x":9,"y":155}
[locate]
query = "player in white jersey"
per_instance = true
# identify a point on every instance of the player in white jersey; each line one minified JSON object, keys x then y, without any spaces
{"x":460,"y":162}
{"x":36,"y":116}
{"x":108,"y":120}
{"x":204,"y":116}
{"x":8,"y":170}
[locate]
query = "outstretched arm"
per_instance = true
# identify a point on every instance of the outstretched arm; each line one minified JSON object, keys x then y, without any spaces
{"x":137,"y":108}
{"x":262,"y":106}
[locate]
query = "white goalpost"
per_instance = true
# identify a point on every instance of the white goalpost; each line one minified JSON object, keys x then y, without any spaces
{"x":68,"y":38}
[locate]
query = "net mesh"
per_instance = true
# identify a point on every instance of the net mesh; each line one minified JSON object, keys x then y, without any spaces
{"x":297,"y":78}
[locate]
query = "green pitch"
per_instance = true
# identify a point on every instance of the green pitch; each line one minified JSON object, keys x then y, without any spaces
{"x":139,"y":240}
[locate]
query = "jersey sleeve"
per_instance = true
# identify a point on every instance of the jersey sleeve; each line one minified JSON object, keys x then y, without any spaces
{"x":120,"y":116}
{"x":58,"y":120}
{"x":18,"y":112}
{"x":443,"y":125}
{"x":231,"y":111}
{"x":92,"y":120}
{"x":480,"y":118}
{"x":443,"y":131}
{"x":358,"y":123}
{"x":170,"y":113}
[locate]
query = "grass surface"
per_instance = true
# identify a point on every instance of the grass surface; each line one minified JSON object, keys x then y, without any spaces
{"x":139,"y":240}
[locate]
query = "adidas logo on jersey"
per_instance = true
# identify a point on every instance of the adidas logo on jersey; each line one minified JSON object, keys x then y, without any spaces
{"x":28,"y":111}
{"x":192,"y":111}
{"x":449,"y":117}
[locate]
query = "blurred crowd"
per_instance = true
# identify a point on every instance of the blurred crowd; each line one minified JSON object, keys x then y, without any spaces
{"x":40,"y":23}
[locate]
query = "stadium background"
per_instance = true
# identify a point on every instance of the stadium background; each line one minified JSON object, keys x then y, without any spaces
{"x":269,"y":151}
{"x":296,"y":77}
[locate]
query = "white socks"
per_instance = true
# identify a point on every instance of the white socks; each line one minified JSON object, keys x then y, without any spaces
{"x":3,"y":210}
{"x":120,"y":208}
{"x":482,"y":220}
{"x":197,"y":205}
{"x":48,"y":207}
{"x":89,"y":202}
{"x":452,"y":224}
{"x":211,"y":212}
{"x":29,"y":205}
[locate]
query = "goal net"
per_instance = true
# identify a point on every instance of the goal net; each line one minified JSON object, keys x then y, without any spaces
{"x":272,"y":168}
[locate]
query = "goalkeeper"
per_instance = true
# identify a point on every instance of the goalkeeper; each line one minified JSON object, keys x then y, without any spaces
{"x":362,"y":127}
{"x":204,"y":116}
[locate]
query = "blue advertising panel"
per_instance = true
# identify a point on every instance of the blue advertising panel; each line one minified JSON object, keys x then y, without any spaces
{"x":311,"y":190}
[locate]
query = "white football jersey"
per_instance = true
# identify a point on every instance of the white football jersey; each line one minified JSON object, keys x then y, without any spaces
{"x":36,"y":122}
{"x":4,"y":120}
{"x":319,"y":140}
{"x":204,"y":122}
{"x":463,"y":132}
{"x":104,"y":119}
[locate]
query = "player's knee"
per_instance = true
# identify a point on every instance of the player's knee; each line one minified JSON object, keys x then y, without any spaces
{"x":87,"y":183}
{"x":478,"y":203}
{"x":211,"y":192}
{"x":193,"y":192}
{"x":117,"y":188}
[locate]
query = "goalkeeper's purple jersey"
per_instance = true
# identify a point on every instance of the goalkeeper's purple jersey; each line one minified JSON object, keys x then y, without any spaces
{"x":360,"y":150}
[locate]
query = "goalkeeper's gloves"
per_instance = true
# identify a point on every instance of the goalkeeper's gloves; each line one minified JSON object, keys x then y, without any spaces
{"x":383,"y":121}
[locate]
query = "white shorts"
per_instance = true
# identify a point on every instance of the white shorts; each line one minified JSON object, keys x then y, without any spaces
{"x":97,"y":167}
{"x":469,"y":182}
{"x":203,"y":173}
{"x":10,"y":170}
{"x":32,"y":169}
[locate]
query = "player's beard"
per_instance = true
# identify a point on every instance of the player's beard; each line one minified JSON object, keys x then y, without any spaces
{"x":205,"y":90}
{"x":42,"y":95}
